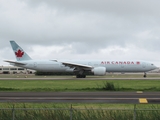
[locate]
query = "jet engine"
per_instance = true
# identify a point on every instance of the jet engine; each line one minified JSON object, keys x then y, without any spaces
{"x":99,"y":71}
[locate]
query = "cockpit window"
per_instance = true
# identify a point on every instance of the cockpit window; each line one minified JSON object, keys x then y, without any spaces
{"x":152,"y":64}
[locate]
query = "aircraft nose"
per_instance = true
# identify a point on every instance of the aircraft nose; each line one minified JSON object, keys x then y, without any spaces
{"x":155,"y":67}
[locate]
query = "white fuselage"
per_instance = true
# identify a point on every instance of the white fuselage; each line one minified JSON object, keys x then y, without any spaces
{"x":111,"y":66}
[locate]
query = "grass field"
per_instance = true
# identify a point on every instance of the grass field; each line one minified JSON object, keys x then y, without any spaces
{"x":78,"y":105}
{"x":65,"y":112}
{"x":73,"y":84}
{"x":78,"y":85}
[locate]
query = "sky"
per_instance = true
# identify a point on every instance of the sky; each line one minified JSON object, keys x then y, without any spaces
{"x":81,"y":29}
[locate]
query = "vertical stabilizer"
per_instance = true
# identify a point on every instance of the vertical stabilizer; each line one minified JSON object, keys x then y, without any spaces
{"x":20,"y":54}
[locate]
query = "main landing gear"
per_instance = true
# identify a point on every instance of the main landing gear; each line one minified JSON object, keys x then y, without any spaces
{"x":80,"y":76}
{"x":145,"y":75}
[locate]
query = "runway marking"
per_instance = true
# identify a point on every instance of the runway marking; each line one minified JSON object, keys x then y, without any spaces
{"x":143,"y":100}
{"x":139,"y":91}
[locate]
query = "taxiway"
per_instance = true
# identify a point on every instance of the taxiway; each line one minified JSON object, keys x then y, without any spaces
{"x":81,"y":97}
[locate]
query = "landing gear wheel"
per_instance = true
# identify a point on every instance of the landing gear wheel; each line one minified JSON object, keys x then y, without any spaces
{"x":84,"y":76}
{"x":145,"y":75}
{"x":80,"y":76}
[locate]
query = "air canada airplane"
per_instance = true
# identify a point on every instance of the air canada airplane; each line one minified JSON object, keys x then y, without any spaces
{"x":80,"y":68}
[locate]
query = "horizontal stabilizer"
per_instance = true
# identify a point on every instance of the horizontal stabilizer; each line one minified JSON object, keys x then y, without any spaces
{"x":14,"y":62}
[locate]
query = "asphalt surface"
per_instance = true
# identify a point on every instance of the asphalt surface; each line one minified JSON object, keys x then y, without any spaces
{"x":73,"y":78}
{"x":82,"y":97}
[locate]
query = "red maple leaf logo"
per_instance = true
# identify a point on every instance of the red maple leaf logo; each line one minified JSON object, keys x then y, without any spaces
{"x":19,"y":53}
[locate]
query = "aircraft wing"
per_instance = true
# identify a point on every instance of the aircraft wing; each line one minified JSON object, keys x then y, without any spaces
{"x":14,"y":62}
{"x":75,"y":65}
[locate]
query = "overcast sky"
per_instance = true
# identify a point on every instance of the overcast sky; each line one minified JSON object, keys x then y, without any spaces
{"x":81,"y":29}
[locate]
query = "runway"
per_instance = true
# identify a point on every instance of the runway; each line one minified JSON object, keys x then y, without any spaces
{"x":109,"y":76}
{"x":82,"y":97}
{"x":73,"y":78}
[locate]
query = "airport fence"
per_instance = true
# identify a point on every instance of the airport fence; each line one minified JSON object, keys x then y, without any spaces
{"x":79,"y":114}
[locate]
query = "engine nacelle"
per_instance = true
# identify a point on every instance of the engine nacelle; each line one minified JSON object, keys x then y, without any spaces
{"x":99,"y":71}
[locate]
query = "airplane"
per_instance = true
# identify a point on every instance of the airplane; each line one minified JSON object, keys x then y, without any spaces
{"x":79,"y":67}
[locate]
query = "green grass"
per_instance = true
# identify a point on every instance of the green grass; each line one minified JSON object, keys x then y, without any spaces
{"x":78,"y":85}
{"x":73,"y":84}
{"x":68,"y":105}
{"x":77,"y":105}
{"x":84,"y":112}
